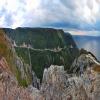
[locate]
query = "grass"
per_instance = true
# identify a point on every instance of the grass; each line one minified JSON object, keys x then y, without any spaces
{"x":22,"y":82}
{"x":10,"y":56}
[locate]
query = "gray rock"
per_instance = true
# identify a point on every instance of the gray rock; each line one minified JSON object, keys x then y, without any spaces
{"x":57,"y":86}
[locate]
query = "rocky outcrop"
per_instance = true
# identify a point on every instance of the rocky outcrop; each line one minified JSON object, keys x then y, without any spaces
{"x":35,"y":93}
{"x":83,"y":62}
{"x":58,"y":85}
{"x":88,"y":68}
{"x":54,"y":83}
{"x":9,"y":88}
{"x":96,"y":82}
{"x":20,"y":69}
{"x":35,"y":81}
{"x":96,"y":87}
{"x":84,"y":85}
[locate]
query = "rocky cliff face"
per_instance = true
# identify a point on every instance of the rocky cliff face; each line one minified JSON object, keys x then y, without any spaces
{"x":82,"y":83}
{"x":21,"y":70}
{"x":8,"y":84}
{"x":41,"y":47}
{"x":56,"y":84}
{"x":84,"y":61}
{"x":40,"y":38}
{"x":88,"y":69}
{"x":9,"y":88}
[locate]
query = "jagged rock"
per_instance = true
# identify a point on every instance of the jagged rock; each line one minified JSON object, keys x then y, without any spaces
{"x":96,"y":89}
{"x":21,"y":67}
{"x":26,"y":73}
{"x":57,"y":86}
{"x":88,"y":67}
{"x":96,"y":82}
{"x":54,"y":85}
{"x":35,"y":81}
{"x":9,"y":89}
{"x":82,"y":62}
{"x":35,"y":93}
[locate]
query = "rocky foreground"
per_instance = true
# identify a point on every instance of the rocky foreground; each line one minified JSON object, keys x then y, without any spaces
{"x":56,"y":83}
{"x":9,"y":89}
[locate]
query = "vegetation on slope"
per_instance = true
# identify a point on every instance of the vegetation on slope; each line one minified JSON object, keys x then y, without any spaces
{"x":39,"y":38}
{"x":50,"y":46}
{"x":43,"y":59}
{"x":5,"y":48}
{"x":6,"y":51}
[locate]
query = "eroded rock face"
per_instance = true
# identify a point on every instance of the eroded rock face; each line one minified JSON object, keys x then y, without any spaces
{"x":49,"y":46}
{"x":57,"y":85}
{"x":9,"y":88}
{"x":88,"y":68}
{"x":35,"y":81}
{"x":54,"y":83}
{"x":96,"y":84}
{"x":35,"y":93}
{"x":83,"y":62}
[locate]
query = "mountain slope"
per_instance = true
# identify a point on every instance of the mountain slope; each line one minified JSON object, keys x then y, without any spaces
{"x":41,"y":47}
{"x":16,"y":66}
{"x":39,"y":38}
{"x":9,"y":88}
{"x":18,"y":63}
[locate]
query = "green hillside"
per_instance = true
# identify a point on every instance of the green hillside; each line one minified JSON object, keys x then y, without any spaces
{"x":48,"y":46}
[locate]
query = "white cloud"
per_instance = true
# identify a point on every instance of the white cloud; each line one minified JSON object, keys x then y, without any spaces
{"x":44,"y":12}
{"x":85,"y":10}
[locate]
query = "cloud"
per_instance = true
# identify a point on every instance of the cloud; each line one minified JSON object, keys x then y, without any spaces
{"x":84,"y":10}
{"x":78,"y":14}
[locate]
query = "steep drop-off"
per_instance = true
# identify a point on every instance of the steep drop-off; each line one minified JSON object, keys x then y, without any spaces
{"x":57,"y":84}
{"x":19,"y":68}
{"x":41,"y":47}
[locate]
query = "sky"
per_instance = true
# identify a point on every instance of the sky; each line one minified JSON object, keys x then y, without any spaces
{"x":80,"y":15}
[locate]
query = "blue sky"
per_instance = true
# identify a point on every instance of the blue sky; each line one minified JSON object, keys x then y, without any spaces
{"x":81,"y":15}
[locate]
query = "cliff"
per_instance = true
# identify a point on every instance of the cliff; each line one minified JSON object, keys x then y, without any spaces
{"x":65,"y":73}
{"x":9,"y":88}
{"x":57,"y":84}
{"x":41,"y":47}
{"x":20,"y":69}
